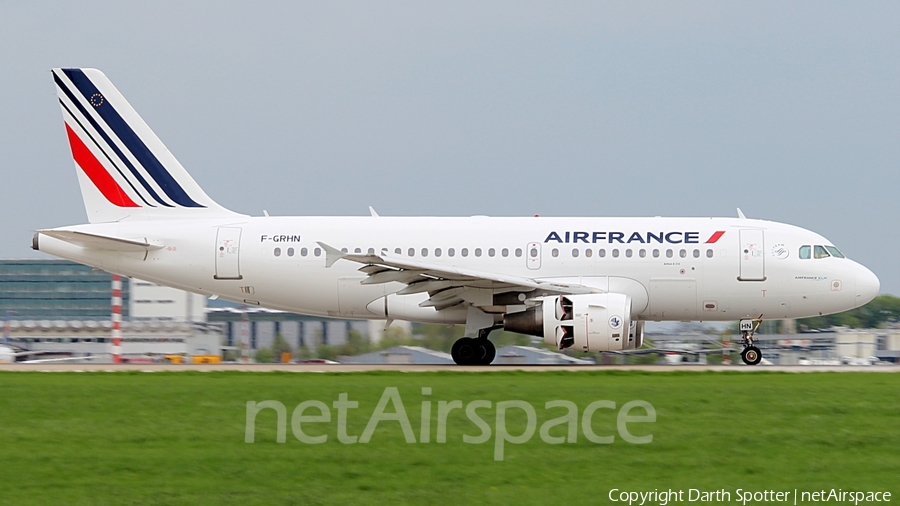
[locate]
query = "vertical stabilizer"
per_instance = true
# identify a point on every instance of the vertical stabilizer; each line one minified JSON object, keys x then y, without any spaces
{"x":124,"y":170}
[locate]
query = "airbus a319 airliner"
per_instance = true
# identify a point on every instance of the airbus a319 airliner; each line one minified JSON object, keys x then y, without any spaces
{"x":585,"y":284}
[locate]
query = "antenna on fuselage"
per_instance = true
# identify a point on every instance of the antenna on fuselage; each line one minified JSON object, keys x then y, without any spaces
{"x":741,"y":214}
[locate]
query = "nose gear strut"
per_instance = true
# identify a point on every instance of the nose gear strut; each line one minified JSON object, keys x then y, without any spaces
{"x":750,"y":354}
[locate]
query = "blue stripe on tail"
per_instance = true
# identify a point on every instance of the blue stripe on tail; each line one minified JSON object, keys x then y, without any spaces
{"x":131,"y":140}
{"x":111,"y":144}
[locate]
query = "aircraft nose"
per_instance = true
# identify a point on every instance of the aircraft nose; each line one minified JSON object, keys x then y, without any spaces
{"x":867,"y":285}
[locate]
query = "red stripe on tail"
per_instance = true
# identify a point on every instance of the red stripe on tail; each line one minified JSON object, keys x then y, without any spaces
{"x":97,"y":173}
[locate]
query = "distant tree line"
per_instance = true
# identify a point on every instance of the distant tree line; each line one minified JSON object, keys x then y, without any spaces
{"x":880,"y":311}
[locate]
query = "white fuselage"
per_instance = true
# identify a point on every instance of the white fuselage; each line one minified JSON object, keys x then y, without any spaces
{"x":672,"y":268}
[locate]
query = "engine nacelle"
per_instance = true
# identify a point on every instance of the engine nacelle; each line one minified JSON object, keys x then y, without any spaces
{"x":637,"y":335}
{"x":591,"y":322}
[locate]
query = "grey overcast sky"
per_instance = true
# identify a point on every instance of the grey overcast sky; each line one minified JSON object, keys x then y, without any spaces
{"x":789,"y":110}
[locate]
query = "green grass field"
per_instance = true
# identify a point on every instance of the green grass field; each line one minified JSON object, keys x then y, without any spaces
{"x":178,"y":438}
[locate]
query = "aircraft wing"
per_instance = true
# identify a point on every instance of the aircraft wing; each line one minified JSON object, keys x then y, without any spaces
{"x":446,"y":285}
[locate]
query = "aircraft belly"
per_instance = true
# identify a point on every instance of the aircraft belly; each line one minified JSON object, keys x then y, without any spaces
{"x":353,"y":297}
{"x":673,"y":299}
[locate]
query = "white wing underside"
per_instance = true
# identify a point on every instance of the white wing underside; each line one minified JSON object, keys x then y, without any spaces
{"x":447,"y":286}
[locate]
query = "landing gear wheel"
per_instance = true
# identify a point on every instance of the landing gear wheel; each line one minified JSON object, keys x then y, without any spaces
{"x":486,"y":351}
{"x":465,"y":350}
{"x":473,"y":351}
{"x":751,"y":355}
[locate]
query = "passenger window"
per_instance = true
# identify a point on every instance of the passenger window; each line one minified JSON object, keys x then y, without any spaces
{"x":804,"y":252}
{"x":478,"y":252}
{"x":615,"y":252}
{"x":464,"y":252}
{"x":398,"y":251}
{"x":303,"y":252}
{"x":317,"y":251}
{"x":518,"y":252}
{"x":344,"y":250}
{"x":533,"y":253}
{"x":491,"y":252}
{"x":656,"y":253}
{"x":357,"y":250}
{"x":451,"y":252}
{"x":290,"y":252}
{"x":602,"y":253}
{"x":696,"y":253}
{"x":643,"y":253}
{"x":437,"y":252}
{"x":588,"y":252}
{"x":834,"y":252}
{"x":555,"y":252}
{"x":278,"y":252}
{"x":682,"y":253}
{"x":574,"y":252}
{"x":821,"y":252}
{"x":371,"y":251}
{"x":504,"y":252}
{"x":669,"y":253}
{"x":424,"y":252}
{"x":709,"y":253}
{"x":384,"y":251}
{"x":628,"y":253}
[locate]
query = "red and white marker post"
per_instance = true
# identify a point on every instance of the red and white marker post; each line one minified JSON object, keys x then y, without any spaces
{"x":117,"y":319}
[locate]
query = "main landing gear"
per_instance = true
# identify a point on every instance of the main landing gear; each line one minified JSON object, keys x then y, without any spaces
{"x":474,"y":350}
{"x":750,"y":354}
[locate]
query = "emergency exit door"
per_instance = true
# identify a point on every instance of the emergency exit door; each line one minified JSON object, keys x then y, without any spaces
{"x":753,"y":262}
{"x":228,"y":252}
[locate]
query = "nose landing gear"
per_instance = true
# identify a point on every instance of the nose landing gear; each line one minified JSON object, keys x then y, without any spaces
{"x":750,"y":354}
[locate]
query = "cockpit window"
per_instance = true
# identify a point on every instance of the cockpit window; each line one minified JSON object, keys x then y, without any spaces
{"x":821,"y":252}
{"x":834,"y":252}
{"x":804,"y":252}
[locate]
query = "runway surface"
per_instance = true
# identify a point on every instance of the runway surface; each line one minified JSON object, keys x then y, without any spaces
{"x":346,"y":368}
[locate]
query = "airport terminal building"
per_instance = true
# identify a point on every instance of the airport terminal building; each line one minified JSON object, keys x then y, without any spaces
{"x":38,"y":289}
{"x":63,"y":307}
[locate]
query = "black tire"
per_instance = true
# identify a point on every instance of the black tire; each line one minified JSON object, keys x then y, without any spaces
{"x":751,"y":355}
{"x":465,"y":350}
{"x":487,"y":351}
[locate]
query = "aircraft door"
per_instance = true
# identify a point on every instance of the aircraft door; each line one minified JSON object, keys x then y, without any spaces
{"x":753,"y":266}
{"x":533,"y":255}
{"x":228,"y":247}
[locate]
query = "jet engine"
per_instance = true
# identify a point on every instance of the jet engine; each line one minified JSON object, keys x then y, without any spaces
{"x":590,"y":322}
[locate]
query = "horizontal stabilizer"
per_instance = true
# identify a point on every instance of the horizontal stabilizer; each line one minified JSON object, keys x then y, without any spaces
{"x":100,"y":242}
